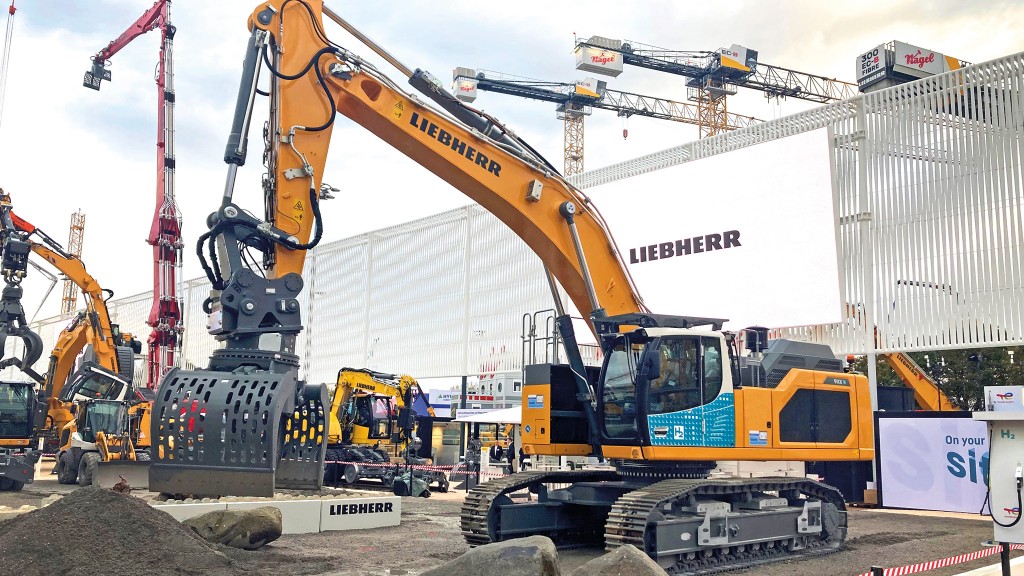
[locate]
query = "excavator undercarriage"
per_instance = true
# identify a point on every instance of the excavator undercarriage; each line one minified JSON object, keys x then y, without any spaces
{"x":687,"y":525}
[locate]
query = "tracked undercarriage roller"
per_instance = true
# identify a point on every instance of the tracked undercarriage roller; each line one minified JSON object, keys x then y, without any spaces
{"x":241,"y":433}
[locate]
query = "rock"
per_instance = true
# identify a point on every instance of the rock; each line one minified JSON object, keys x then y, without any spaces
{"x":623,"y":560}
{"x":49,"y":500}
{"x":246,"y":529}
{"x":531,"y":556}
{"x":419,"y":487}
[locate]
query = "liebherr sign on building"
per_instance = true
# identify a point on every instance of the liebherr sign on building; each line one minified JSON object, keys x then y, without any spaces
{"x":747,"y":235}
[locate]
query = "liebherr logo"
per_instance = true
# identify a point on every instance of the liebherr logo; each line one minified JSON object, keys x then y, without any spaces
{"x":685,"y":247}
{"x":366,"y":508}
{"x":463,"y":149}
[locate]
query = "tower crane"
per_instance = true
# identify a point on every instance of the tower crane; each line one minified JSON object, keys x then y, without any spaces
{"x":76,"y":236}
{"x":712,"y":75}
{"x":165,"y":231}
{"x":577,"y":100}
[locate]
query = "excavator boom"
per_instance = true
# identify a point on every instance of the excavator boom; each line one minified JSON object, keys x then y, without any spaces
{"x":927,"y":393}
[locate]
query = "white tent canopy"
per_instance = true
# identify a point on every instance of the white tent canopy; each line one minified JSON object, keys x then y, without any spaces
{"x":503,"y":416}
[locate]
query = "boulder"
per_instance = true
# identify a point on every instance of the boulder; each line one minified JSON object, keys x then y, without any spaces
{"x":532,"y":556}
{"x":246,"y":529}
{"x":623,"y":560}
{"x":419,"y":487}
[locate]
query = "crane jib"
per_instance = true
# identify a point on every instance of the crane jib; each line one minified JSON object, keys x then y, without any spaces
{"x":447,"y":139}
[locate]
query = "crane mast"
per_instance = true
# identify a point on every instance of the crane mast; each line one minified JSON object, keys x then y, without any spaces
{"x":577,"y":100}
{"x":76,"y":236}
{"x":712,"y":75}
{"x":164,"y":341}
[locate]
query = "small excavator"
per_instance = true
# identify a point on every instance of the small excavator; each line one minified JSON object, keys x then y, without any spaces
{"x":371,"y":428}
{"x":92,"y":417}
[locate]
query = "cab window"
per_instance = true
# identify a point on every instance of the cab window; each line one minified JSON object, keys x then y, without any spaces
{"x":677,"y":387}
{"x":711,"y":352}
{"x":618,"y":397}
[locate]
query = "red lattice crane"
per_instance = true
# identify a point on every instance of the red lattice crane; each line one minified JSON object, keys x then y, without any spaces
{"x":165,"y":232}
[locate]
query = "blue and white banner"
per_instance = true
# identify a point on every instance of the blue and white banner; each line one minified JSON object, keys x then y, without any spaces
{"x":933,"y":463}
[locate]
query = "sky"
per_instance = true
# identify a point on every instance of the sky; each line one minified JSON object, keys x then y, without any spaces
{"x":64,"y":147}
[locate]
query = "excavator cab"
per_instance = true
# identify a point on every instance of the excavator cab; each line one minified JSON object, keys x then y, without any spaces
{"x":371,"y":416}
{"x":17,"y":408}
{"x":663,"y":387}
{"x":96,"y":418}
{"x":93,"y":382}
{"x":18,"y":405}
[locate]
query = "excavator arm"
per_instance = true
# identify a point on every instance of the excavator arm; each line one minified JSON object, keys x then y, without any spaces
{"x":111,"y":349}
{"x":13,"y":267}
{"x":254,"y":309}
{"x":927,"y":393}
{"x":313,"y":80}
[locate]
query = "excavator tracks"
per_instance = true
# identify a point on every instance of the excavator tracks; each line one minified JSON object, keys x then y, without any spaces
{"x":630,"y":518}
{"x":738,"y":522}
{"x":478,"y":522}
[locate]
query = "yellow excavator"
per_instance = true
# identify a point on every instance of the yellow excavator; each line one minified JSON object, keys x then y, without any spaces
{"x":927,"y":393}
{"x":92,"y":415}
{"x":674,"y":393}
{"x":372,"y":426}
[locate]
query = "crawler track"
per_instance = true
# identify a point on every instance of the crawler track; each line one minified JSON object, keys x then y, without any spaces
{"x":633,"y":517}
{"x":629,"y":518}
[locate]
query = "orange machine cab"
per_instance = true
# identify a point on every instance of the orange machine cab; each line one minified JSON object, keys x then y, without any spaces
{"x":669,"y":395}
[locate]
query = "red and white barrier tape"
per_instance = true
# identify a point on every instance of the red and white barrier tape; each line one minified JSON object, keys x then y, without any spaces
{"x":449,"y":469}
{"x":934,"y":564}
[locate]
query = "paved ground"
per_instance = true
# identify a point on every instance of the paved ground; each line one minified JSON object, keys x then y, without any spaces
{"x":429,"y":536}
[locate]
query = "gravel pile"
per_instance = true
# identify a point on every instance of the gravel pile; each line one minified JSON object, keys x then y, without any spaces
{"x":95,"y":531}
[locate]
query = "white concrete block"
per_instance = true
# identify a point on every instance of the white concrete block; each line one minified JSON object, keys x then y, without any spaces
{"x":297,"y":516}
{"x":360,"y":513}
{"x":185,"y":511}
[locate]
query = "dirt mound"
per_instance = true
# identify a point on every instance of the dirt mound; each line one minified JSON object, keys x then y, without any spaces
{"x":96,"y":531}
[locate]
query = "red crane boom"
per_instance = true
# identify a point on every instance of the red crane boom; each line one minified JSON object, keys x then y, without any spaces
{"x":165,"y":232}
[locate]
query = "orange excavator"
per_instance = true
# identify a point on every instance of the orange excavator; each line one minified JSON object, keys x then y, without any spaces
{"x":89,"y":413}
{"x":927,"y":393}
{"x":674,"y":394}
